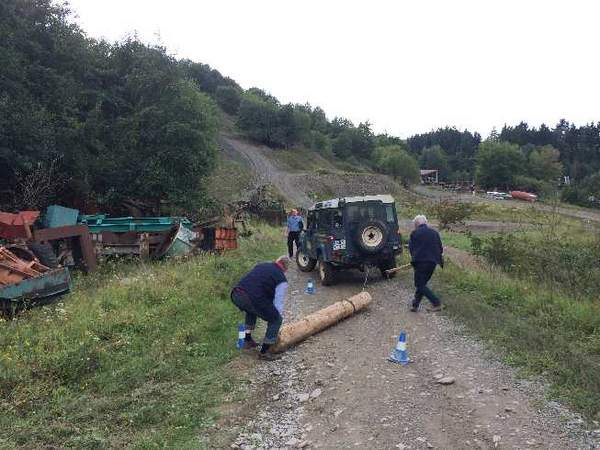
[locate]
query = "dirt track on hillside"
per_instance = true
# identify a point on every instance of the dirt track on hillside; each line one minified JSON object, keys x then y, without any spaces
{"x":301,"y":187}
{"x":357,"y":399}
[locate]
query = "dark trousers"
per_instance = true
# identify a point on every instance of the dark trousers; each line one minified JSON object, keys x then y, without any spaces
{"x":293,"y":236}
{"x":423,"y":273}
{"x":263,"y":309}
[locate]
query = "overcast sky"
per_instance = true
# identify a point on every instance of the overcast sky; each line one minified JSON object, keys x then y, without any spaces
{"x":407,"y":67}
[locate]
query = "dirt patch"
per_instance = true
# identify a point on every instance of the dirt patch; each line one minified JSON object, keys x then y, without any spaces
{"x":304,"y":188}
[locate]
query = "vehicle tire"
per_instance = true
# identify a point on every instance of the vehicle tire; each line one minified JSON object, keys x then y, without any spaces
{"x":305,"y":263}
{"x":45,"y":253}
{"x":387,"y":265}
{"x":371,"y":236}
{"x":326,"y":273}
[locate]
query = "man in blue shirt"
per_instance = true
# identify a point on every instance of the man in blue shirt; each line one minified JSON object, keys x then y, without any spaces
{"x":295,"y":225}
{"x":261,"y":293}
{"x":426,"y":253}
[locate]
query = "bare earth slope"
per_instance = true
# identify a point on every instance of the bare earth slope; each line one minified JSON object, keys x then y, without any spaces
{"x":265,"y":170}
{"x":301,"y":187}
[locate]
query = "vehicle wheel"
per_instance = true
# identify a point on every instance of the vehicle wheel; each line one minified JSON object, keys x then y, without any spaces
{"x":371,"y":236}
{"x":387,"y":265}
{"x":305,"y":263}
{"x":326,"y":273}
{"x":45,"y":253}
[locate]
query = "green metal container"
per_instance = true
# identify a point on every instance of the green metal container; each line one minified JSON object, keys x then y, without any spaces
{"x":59,"y":216}
{"x":101,"y":222}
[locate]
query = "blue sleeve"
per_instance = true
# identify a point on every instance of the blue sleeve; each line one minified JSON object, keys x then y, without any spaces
{"x":279,"y":299}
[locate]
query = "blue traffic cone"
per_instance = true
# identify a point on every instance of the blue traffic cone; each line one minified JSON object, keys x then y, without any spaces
{"x":400,"y":354}
{"x":310,"y":287}
{"x":241,"y":335}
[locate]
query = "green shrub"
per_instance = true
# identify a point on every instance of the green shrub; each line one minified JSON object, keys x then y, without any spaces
{"x":563,"y":261}
{"x":450,"y":213}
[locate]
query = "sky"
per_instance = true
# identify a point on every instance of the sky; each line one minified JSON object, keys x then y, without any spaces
{"x":406,"y":67}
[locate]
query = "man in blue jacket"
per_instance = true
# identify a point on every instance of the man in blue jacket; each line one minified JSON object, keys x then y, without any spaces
{"x":261,"y":293}
{"x":426,"y":253}
{"x":295,"y":224}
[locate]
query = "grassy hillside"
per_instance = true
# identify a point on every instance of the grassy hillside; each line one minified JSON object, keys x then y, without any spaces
{"x":134,"y":356}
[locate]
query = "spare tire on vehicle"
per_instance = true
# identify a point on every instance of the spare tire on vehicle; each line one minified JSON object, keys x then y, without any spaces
{"x":371,"y":236}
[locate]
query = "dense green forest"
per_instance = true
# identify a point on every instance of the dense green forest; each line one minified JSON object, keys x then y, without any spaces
{"x":93,"y":124}
{"x":96,"y":124}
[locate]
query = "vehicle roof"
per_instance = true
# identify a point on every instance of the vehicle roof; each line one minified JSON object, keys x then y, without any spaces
{"x":337,"y":202}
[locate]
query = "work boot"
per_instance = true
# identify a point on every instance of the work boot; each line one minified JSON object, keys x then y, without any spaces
{"x":436,"y":308}
{"x":268,"y":356}
{"x":249,"y":344}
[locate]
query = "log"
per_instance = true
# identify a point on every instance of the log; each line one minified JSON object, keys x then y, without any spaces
{"x":295,"y":332}
{"x":398,"y":269}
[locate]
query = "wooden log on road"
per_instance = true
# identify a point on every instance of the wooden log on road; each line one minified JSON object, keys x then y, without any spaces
{"x":295,"y":332}
{"x":398,"y":269}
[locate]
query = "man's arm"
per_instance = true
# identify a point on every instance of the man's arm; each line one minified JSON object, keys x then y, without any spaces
{"x":411,"y":244}
{"x":441,"y":249}
{"x":279,"y":298}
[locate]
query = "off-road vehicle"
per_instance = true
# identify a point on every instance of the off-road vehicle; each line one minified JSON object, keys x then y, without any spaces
{"x":350,"y":233}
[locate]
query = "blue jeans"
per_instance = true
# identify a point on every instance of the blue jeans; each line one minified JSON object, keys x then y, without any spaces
{"x":423,"y":273}
{"x":263,"y":309}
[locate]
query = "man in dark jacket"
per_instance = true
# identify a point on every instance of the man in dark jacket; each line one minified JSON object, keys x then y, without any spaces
{"x":426,"y":252}
{"x":261,"y":293}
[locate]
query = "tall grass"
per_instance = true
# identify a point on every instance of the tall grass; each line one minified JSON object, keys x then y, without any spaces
{"x":134,"y":357}
{"x":541,"y":331}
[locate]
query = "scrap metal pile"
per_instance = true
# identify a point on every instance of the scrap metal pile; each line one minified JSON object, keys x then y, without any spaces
{"x":25,"y":281}
{"x":38,"y":248}
{"x":14,"y":269}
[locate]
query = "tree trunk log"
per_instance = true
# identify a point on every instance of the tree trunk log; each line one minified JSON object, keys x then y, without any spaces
{"x":292,"y":333}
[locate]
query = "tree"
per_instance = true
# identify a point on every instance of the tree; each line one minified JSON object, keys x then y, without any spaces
{"x":435,"y":158}
{"x":115,"y":121}
{"x":394,"y":160}
{"x":257,"y":117}
{"x":544,"y":164}
{"x":228,"y":98}
{"x":498,"y":163}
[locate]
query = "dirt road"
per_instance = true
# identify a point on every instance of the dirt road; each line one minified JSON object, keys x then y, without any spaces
{"x":337,"y":390}
{"x":264,"y":169}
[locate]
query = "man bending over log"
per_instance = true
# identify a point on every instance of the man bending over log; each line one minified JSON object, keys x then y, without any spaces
{"x":261,"y":293}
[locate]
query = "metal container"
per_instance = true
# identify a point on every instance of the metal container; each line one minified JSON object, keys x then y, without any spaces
{"x":59,"y":216}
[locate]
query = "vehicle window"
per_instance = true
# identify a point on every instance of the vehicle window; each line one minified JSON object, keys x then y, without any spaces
{"x":337,"y":218}
{"x":389,"y":214}
{"x":312,"y":220}
{"x":324,"y":219}
{"x":361,"y":212}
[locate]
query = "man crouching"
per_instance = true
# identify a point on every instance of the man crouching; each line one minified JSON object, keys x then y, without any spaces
{"x":261,"y":293}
